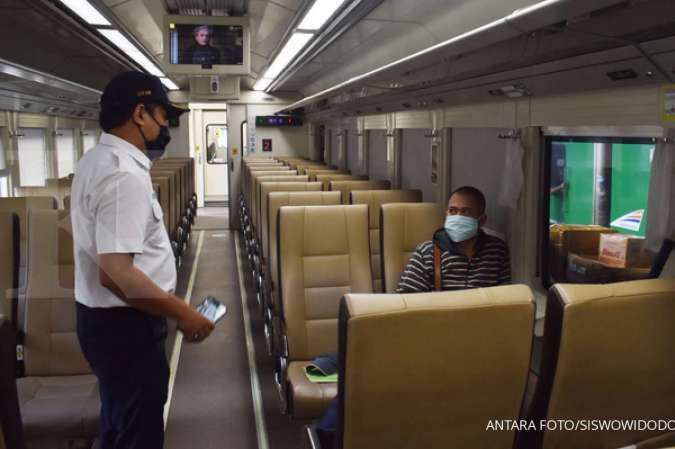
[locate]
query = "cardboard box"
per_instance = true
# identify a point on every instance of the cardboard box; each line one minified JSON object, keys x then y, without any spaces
{"x":587,"y":269}
{"x":579,"y":239}
{"x":621,"y":250}
{"x":566,"y":238}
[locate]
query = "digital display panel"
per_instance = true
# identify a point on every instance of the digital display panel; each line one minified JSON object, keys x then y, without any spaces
{"x":277,"y":120}
{"x":206,"y":45}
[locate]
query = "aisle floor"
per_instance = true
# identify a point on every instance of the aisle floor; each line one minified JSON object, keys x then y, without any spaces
{"x":212,"y":401}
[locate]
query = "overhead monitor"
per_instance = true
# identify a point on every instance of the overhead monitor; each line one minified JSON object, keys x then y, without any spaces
{"x":195,"y":45}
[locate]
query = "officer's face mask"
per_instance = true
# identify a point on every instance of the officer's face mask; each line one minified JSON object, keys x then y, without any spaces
{"x":461,"y":227}
{"x":155,"y":148}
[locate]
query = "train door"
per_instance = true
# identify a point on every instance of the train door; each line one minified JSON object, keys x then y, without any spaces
{"x":214,"y":158}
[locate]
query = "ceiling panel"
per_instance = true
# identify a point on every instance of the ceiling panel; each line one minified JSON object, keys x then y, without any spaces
{"x":53,"y":45}
{"x":393,"y":30}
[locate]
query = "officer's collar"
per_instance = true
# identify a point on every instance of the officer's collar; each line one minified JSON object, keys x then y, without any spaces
{"x":128,"y":148}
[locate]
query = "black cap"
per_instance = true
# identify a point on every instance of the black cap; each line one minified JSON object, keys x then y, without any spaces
{"x":132,"y":88}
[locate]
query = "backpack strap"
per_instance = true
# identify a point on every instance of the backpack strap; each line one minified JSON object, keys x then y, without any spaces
{"x":438,"y":285}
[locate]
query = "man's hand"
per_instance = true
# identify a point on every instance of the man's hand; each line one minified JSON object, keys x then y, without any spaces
{"x":195,"y":326}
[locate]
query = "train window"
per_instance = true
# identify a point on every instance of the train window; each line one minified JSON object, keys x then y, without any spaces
{"x":32,"y":157}
{"x":88,"y":139}
{"x":216,"y":144}
{"x":65,"y":152}
{"x":597,"y":209}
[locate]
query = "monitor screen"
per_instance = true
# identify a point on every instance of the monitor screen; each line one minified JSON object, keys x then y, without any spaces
{"x":206,"y":45}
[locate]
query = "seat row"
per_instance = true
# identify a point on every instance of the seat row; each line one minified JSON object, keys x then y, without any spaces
{"x":455,"y":369}
{"x":314,"y":255}
{"x":173,"y":180}
{"x":57,"y":393}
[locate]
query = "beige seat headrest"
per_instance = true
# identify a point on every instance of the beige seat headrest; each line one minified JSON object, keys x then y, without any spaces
{"x":413,"y":365}
{"x":403,"y":227}
{"x":608,"y":352}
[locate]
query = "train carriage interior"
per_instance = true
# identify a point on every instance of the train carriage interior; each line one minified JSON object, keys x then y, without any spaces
{"x":307,"y":189}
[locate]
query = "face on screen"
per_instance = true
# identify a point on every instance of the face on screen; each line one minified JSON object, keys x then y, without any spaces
{"x":203,"y":36}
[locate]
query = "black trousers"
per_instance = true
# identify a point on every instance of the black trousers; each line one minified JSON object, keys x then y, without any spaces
{"x":126,"y":350}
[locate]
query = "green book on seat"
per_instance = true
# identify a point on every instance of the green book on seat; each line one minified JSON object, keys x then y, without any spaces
{"x":315,"y":375}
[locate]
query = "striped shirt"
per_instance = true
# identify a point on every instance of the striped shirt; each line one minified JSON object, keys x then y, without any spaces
{"x":488,"y":268}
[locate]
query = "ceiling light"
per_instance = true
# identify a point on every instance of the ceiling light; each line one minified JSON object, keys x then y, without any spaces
{"x":286,"y":55}
{"x":262,"y":83}
{"x":86,"y":12}
{"x":319,"y":13}
{"x":168,"y":82}
{"x":132,"y":51}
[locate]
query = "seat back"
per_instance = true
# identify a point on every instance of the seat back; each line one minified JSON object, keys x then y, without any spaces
{"x":21,"y":206}
{"x":268,"y":187}
{"x":11,"y":429}
{"x":167,"y":199}
{"x":66,"y":202}
{"x":9,"y":265}
{"x":375,"y":199}
{"x":277,"y":200}
{"x":302,"y":167}
{"x":668,"y":270}
{"x":248,"y":172}
{"x":326,"y":178}
{"x":255,"y":174}
{"x":161,"y":187}
{"x":431,"y":370}
{"x":287,"y":176}
{"x":607,"y":353}
{"x":51,"y":347}
{"x":346,"y":187}
{"x":403,"y":227}
{"x":313,"y":172}
{"x":323,"y":254}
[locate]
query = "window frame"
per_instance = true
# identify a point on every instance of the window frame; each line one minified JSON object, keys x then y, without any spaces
{"x":545,"y":215}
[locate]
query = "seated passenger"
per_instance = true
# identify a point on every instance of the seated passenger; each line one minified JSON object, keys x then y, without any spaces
{"x":469,"y":257}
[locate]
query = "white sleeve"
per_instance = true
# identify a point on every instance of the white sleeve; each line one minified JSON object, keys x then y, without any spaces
{"x":121,"y":211}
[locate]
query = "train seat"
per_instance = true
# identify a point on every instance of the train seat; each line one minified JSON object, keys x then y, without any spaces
{"x":403,"y":227}
{"x":607,"y":353}
{"x":66,"y":202}
{"x":275,"y":201}
{"x":323,"y":254}
{"x":302,"y":167}
{"x":252,"y":194}
{"x":9,"y":265}
{"x":326,"y":178}
{"x":375,"y":199}
{"x":267,"y":187}
{"x":59,"y":395}
{"x":393,"y":394}
{"x":11,"y":430}
{"x":346,"y":187}
{"x":313,"y":172}
{"x":21,"y":206}
{"x":668,"y":270}
{"x":423,"y":398}
{"x":255,"y":190}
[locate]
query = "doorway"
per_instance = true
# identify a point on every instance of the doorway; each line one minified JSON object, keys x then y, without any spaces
{"x":216,"y":161}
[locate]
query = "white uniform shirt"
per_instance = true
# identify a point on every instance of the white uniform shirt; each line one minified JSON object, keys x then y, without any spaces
{"x":114,"y":210}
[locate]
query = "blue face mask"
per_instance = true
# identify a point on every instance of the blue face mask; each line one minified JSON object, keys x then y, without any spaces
{"x":461,"y":227}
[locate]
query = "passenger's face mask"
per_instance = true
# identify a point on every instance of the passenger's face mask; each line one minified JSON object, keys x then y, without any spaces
{"x":461,"y":227}
{"x":155,"y":148}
